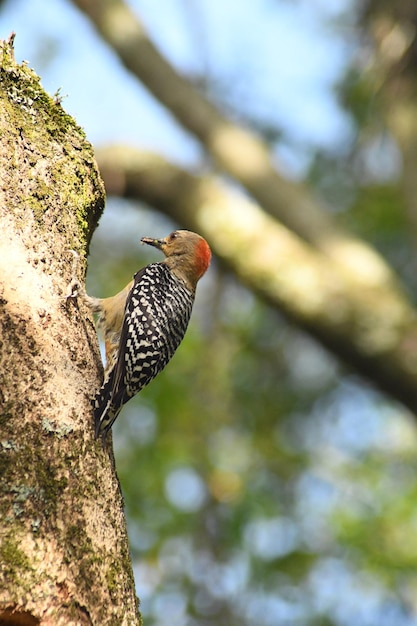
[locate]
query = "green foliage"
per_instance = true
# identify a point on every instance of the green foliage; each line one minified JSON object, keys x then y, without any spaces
{"x":255,"y":474}
{"x":263,"y":483}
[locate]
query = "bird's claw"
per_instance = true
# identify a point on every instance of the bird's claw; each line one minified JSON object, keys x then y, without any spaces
{"x":73,"y":290}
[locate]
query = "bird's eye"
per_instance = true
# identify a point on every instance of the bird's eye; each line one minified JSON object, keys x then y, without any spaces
{"x":173,"y":235}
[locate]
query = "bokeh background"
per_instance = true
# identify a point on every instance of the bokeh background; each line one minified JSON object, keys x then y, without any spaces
{"x":265,"y":482}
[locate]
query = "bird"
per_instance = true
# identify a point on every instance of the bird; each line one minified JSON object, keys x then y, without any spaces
{"x":144,"y":324}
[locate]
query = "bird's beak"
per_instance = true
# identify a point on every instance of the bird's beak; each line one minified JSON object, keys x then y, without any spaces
{"x":156,"y":243}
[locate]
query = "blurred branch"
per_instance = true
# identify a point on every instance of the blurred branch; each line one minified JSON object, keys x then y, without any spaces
{"x":235,"y":150}
{"x":374,"y":330}
{"x":352,"y":305}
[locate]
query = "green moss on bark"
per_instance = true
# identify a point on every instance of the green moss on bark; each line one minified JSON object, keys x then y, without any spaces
{"x":64,"y":171}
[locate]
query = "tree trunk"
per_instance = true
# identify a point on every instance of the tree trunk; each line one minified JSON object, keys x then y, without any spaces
{"x":64,"y":555}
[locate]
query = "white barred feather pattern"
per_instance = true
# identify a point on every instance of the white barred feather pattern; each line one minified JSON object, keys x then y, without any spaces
{"x":157,"y":313}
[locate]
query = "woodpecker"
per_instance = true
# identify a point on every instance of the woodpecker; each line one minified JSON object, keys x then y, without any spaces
{"x":144,"y":323}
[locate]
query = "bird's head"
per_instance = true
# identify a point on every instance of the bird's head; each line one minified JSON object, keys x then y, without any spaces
{"x":187,"y":254}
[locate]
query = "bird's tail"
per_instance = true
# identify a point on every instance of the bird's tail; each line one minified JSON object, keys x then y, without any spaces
{"x":107,"y":407}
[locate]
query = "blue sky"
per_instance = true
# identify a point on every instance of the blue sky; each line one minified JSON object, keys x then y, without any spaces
{"x":283,"y":53}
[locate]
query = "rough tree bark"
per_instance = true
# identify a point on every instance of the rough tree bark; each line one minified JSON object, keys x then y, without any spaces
{"x":64,"y":555}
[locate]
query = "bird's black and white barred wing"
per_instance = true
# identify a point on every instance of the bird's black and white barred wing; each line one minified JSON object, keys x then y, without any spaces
{"x":157,"y":313}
